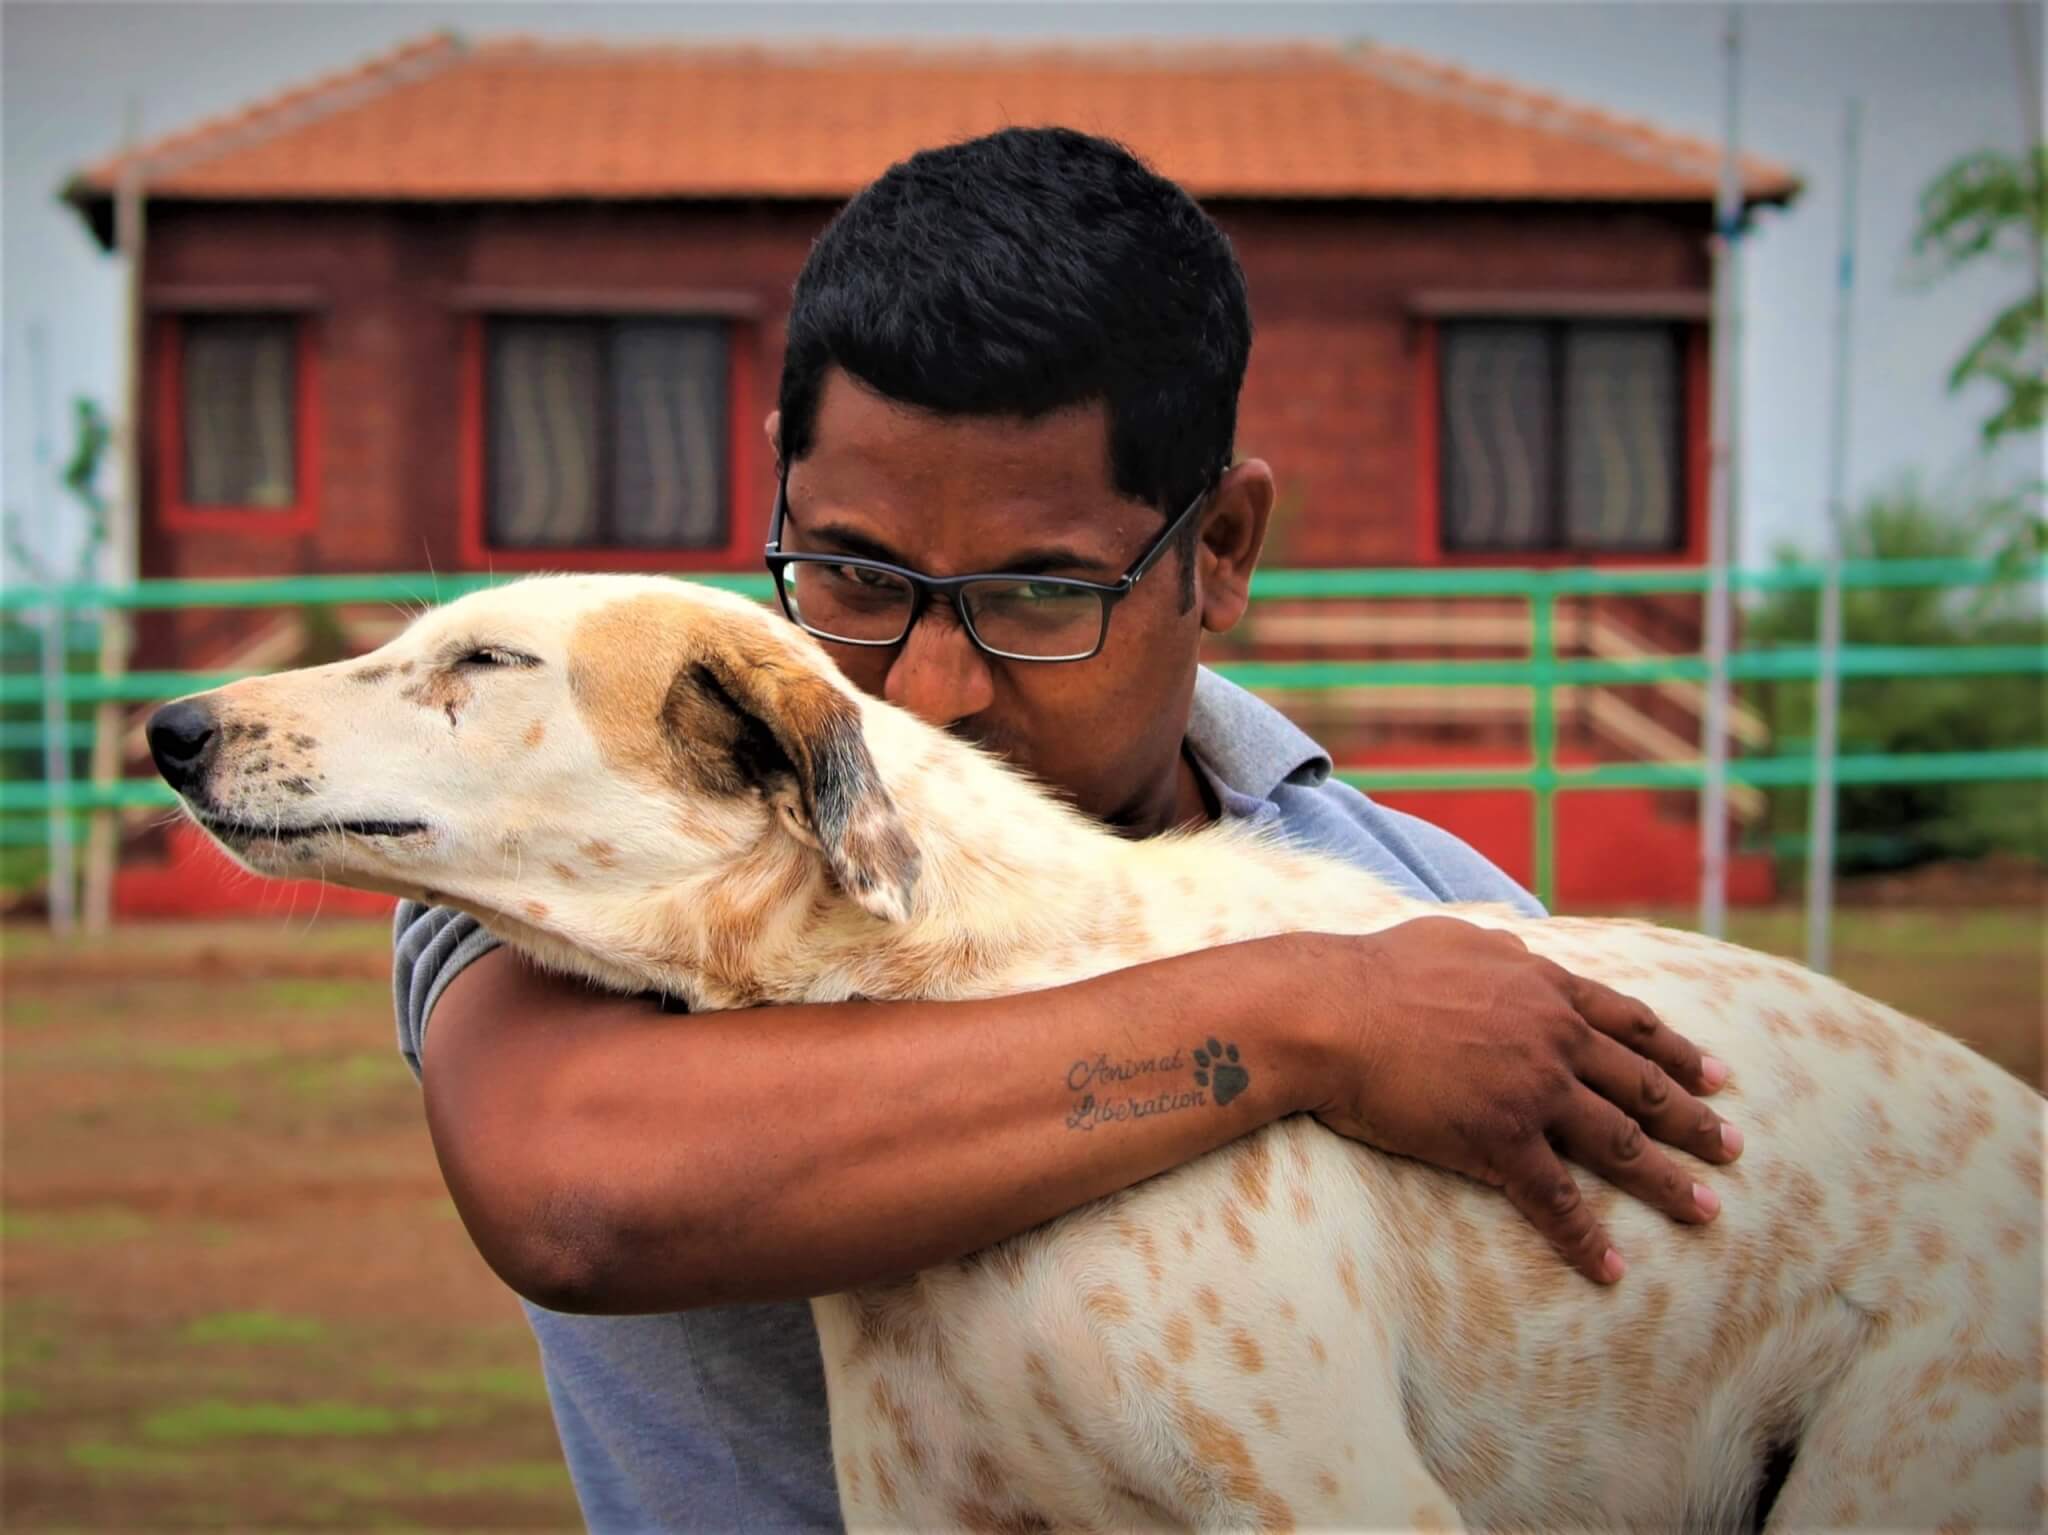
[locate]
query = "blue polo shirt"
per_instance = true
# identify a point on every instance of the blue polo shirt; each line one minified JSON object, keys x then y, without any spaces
{"x":715,"y":1419}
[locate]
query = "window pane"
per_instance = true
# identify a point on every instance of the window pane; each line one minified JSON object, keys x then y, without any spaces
{"x":544,"y":388}
{"x":240,"y":387}
{"x":669,"y":434}
{"x":1497,"y":460}
{"x":1621,"y":411}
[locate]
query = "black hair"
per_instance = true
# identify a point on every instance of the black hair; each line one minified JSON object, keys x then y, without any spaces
{"x":1025,"y":272}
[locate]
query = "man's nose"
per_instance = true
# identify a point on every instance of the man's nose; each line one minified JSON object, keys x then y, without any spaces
{"x":939,"y":675}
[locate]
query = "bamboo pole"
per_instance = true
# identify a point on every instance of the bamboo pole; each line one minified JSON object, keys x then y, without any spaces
{"x":1820,"y":843}
{"x":1720,"y":617}
{"x":103,"y":839}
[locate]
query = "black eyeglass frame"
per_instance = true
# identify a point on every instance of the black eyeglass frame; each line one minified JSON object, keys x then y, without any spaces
{"x":951,"y":589}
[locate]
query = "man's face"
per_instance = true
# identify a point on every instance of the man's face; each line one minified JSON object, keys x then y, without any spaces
{"x":955,"y":495}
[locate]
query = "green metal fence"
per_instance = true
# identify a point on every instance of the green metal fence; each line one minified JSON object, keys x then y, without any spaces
{"x":27,"y":802}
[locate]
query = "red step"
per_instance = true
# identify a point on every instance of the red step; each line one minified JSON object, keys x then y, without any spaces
{"x":198,"y":880}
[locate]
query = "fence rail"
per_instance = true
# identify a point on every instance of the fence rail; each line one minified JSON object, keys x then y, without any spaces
{"x":1543,"y":671}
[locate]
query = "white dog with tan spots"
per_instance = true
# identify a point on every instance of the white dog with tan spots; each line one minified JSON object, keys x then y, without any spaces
{"x":1295,"y":1330}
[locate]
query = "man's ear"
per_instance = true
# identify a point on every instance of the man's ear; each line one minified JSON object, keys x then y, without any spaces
{"x":751,"y":718}
{"x":1233,"y":531}
{"x":772,"y":429}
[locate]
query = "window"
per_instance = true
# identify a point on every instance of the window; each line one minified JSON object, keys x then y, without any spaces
{"x":606,"y":434}
{"x":238,"y":429}
{"x":1562,"y":436}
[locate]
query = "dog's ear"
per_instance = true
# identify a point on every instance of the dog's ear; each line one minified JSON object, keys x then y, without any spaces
{"x":748,"y":719}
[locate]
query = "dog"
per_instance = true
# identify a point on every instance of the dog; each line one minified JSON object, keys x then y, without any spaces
{"x":664,"y":787}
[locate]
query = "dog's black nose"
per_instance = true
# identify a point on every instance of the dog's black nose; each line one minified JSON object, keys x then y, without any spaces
{"x":183,"y":738}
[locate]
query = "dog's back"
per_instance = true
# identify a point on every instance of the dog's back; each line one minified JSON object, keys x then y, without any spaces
{"x":1298,"y":1330}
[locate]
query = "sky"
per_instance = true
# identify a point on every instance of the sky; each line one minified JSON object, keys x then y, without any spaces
{"x":1936,"y":78}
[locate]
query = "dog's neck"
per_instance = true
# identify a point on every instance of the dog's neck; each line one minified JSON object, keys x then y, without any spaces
{"x":771,"y":926}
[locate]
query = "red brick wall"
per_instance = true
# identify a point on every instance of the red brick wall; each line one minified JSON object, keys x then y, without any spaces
{"x":1330,"y":400}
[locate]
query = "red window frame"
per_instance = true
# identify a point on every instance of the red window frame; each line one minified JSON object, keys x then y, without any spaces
{"x":746,"y":522}
{"x":173,"y":512}
{"x":1429,"y":548}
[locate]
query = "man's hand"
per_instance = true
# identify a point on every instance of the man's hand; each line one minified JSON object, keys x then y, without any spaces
{"x":1474,"y":1054}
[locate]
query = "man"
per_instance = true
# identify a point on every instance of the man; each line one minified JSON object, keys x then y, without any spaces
{"x":1020,"y":355}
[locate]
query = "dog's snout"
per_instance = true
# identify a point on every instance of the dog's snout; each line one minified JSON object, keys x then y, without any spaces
{"x":183,"y":738}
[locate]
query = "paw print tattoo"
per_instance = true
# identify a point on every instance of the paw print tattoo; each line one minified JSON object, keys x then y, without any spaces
{"x":1216,"y":1068}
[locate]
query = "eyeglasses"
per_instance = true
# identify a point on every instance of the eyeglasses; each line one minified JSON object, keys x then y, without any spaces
{"x":852,"y":601}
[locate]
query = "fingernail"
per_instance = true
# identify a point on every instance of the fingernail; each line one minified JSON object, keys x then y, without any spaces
{"x":1731,"y":1139}
{"x":1708,"y":1201}
{"x":1714,"y":1071}
{"x":1612,"y":1266}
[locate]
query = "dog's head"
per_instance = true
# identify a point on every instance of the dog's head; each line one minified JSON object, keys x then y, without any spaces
{"x":554,"y":740}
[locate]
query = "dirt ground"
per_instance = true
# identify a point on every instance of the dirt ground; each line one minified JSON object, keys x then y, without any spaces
{"x":236,"y":1296}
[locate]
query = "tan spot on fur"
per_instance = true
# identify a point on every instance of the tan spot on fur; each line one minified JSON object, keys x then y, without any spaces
{"x":1326,"y":1484}
{"x":1304,"y":1205}
{"x":1107,"y":1304}
{"x":2026,"y":1164}
{"x":371,"y":674}
{"x":1347,"y":1276}
{"x":405,"y":668}
{"x":983,"y":1518}
{"x":1286,"y":1310}
{"x":1151,"y":1371}
{"x":1220,"y":1449}
{"x":446,"y":691}
{"x":885,"y":1481}
{"x":1239,"y":1232}
{"x":1187,"y":1240}
{"x":1210,"y":1305}
{"x":2011,"y":1239}
{"x":1316,"y":1350}
{"x":1931,"y":1246}
{"x":1244,"y":1352}
{"x":1179,"y":1338}
{"x":1251,"y":1169}
{"x":563,"y":872}
{"x":536,"y":911}
{"x":535,"y":733}
{"x":600,"y":852}
{"x":1267,"y":1414}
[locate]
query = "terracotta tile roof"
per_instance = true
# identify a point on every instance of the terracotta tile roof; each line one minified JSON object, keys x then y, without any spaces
{"x":516,"y":119}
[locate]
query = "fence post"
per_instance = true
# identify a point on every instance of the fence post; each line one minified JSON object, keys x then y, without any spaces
{"x":1543,"y":735}
{"x":63,"y":880}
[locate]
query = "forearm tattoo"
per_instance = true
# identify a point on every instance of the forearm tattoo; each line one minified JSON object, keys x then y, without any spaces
{"x":1113,"y":1090}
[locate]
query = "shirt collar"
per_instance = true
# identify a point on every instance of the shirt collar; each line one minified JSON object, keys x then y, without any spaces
{"x":1246,"y":745}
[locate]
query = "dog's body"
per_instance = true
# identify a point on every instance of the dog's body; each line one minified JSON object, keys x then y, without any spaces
{"x":661,"y":787}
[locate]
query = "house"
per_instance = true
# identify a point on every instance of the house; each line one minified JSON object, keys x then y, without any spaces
{"x":520,"y":305}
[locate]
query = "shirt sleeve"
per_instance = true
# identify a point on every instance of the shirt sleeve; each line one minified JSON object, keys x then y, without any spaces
{"x":1430,"y":857}
{"x":430,"y":946}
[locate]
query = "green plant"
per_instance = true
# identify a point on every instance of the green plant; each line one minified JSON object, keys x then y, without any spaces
{"x":1898,"y":825}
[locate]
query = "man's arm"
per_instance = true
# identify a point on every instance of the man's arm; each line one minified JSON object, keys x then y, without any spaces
{"x":609,"y":1158}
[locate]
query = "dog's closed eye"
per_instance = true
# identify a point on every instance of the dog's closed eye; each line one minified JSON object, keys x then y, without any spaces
{"x":496,"y":655}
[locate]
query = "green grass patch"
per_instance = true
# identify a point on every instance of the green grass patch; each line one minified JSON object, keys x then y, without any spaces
{"x":94,"y":1226}
{"x":207,"y":1058}
{"x":333,"y":1076}
{"x":127,"y":1460}
{"x":28,"y":1013}
{"x":253,"y":1327}
{"x":16,"y":1400}
{"x":513,"y":1476}
{"x":316,"y":995}
{"x":504,"y":1385}
{"x":407,"y":1476}
{"x":205,"y":1421}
